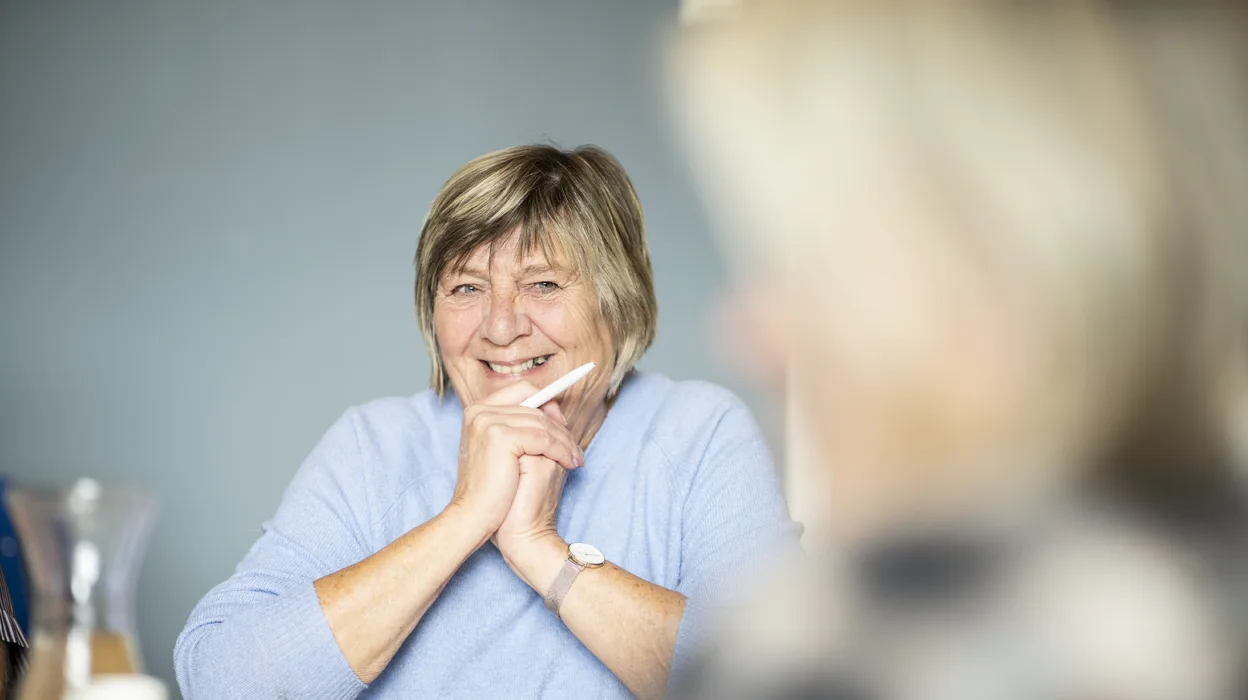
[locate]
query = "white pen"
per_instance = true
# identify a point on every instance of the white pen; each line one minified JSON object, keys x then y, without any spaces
{"x":557,"y":387}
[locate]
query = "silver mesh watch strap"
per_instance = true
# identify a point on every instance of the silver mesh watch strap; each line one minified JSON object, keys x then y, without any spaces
{"x":563,"y":582}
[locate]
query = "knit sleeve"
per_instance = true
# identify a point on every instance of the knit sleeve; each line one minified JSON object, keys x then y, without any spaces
{"x":262,"y":633}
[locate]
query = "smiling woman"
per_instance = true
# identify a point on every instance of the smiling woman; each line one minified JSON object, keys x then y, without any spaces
{"x":548,"y":229}
{"x":628,"y":507}
{"x":534,"y":261}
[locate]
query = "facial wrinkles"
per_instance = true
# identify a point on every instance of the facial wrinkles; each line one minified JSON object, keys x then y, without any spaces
{"x":510,"y":316}
{"x":507,"y":319}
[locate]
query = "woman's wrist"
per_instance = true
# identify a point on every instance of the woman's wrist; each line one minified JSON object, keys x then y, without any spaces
{"x":456,"y":515}
{"x":535,"y":559}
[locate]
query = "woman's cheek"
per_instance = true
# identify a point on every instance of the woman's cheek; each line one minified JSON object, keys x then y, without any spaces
{"x":555,"y":318}
{"x":456,"y":323}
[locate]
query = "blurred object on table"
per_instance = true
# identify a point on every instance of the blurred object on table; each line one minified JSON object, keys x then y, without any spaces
{"x":83,"y":545}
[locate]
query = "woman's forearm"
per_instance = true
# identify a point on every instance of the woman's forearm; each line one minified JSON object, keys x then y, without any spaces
{"x":373,"y":605}
{"x":630,"y":624}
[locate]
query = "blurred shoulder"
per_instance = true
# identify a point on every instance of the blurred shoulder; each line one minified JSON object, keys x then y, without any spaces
{"x":1107,"y":594}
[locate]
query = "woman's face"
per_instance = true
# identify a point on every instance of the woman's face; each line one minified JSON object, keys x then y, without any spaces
{"x":505,"y":318}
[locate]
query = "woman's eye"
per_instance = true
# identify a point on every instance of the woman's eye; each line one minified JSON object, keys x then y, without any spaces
{"x":546,"y":285}
{"x":465,"y":289}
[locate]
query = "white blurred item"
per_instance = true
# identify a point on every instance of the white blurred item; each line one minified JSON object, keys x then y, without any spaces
{"x":121,"y":687}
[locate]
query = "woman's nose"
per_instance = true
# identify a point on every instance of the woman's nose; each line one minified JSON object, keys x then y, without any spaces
{"x":507,"y":320}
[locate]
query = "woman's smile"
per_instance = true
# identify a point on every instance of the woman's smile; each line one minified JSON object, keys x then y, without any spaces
{"x":503,"y":370}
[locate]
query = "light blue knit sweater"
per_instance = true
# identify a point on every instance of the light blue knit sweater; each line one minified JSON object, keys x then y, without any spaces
{"x":677,"y":488}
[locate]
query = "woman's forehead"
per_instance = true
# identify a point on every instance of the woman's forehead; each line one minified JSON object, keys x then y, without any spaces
{"x":509,"y":256}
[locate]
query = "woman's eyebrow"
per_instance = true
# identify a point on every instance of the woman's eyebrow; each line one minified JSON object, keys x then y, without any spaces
{"x":466,"y":271}
{"x":539,"y":269}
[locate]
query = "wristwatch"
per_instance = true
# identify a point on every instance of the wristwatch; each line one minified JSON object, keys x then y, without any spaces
{"x":581,"y":556}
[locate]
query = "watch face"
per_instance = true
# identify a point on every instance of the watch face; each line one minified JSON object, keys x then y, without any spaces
{"x":587,"y":554}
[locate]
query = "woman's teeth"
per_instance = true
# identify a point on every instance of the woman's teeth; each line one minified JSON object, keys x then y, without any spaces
{"x":522,"y":367}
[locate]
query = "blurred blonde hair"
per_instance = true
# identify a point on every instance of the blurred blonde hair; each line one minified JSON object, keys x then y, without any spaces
{"x":579,"y":203}
{"x":1092,"y":156}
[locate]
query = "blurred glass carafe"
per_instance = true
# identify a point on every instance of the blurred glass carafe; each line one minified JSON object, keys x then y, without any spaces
{"x":83,"y":544}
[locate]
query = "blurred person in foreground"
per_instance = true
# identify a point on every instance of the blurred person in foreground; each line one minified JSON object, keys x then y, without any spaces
{"x":998,"y":250}
{"x":423,"y":548}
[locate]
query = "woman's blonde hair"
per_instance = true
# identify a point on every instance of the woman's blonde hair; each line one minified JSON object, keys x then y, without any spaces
{"x":578,"y":203}
{"x":1093,"y":155}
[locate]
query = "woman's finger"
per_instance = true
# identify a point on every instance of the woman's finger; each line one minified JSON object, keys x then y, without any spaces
{"x":518,"y":416}
{"x":521,"y":418}
{"x":560,"y":431}
{"x":537,"y":441}
{"x":510,"y":395}
{"x":551,"y":408}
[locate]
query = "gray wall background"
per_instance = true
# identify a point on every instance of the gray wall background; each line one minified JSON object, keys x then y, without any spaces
{"x":208,"y":212}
